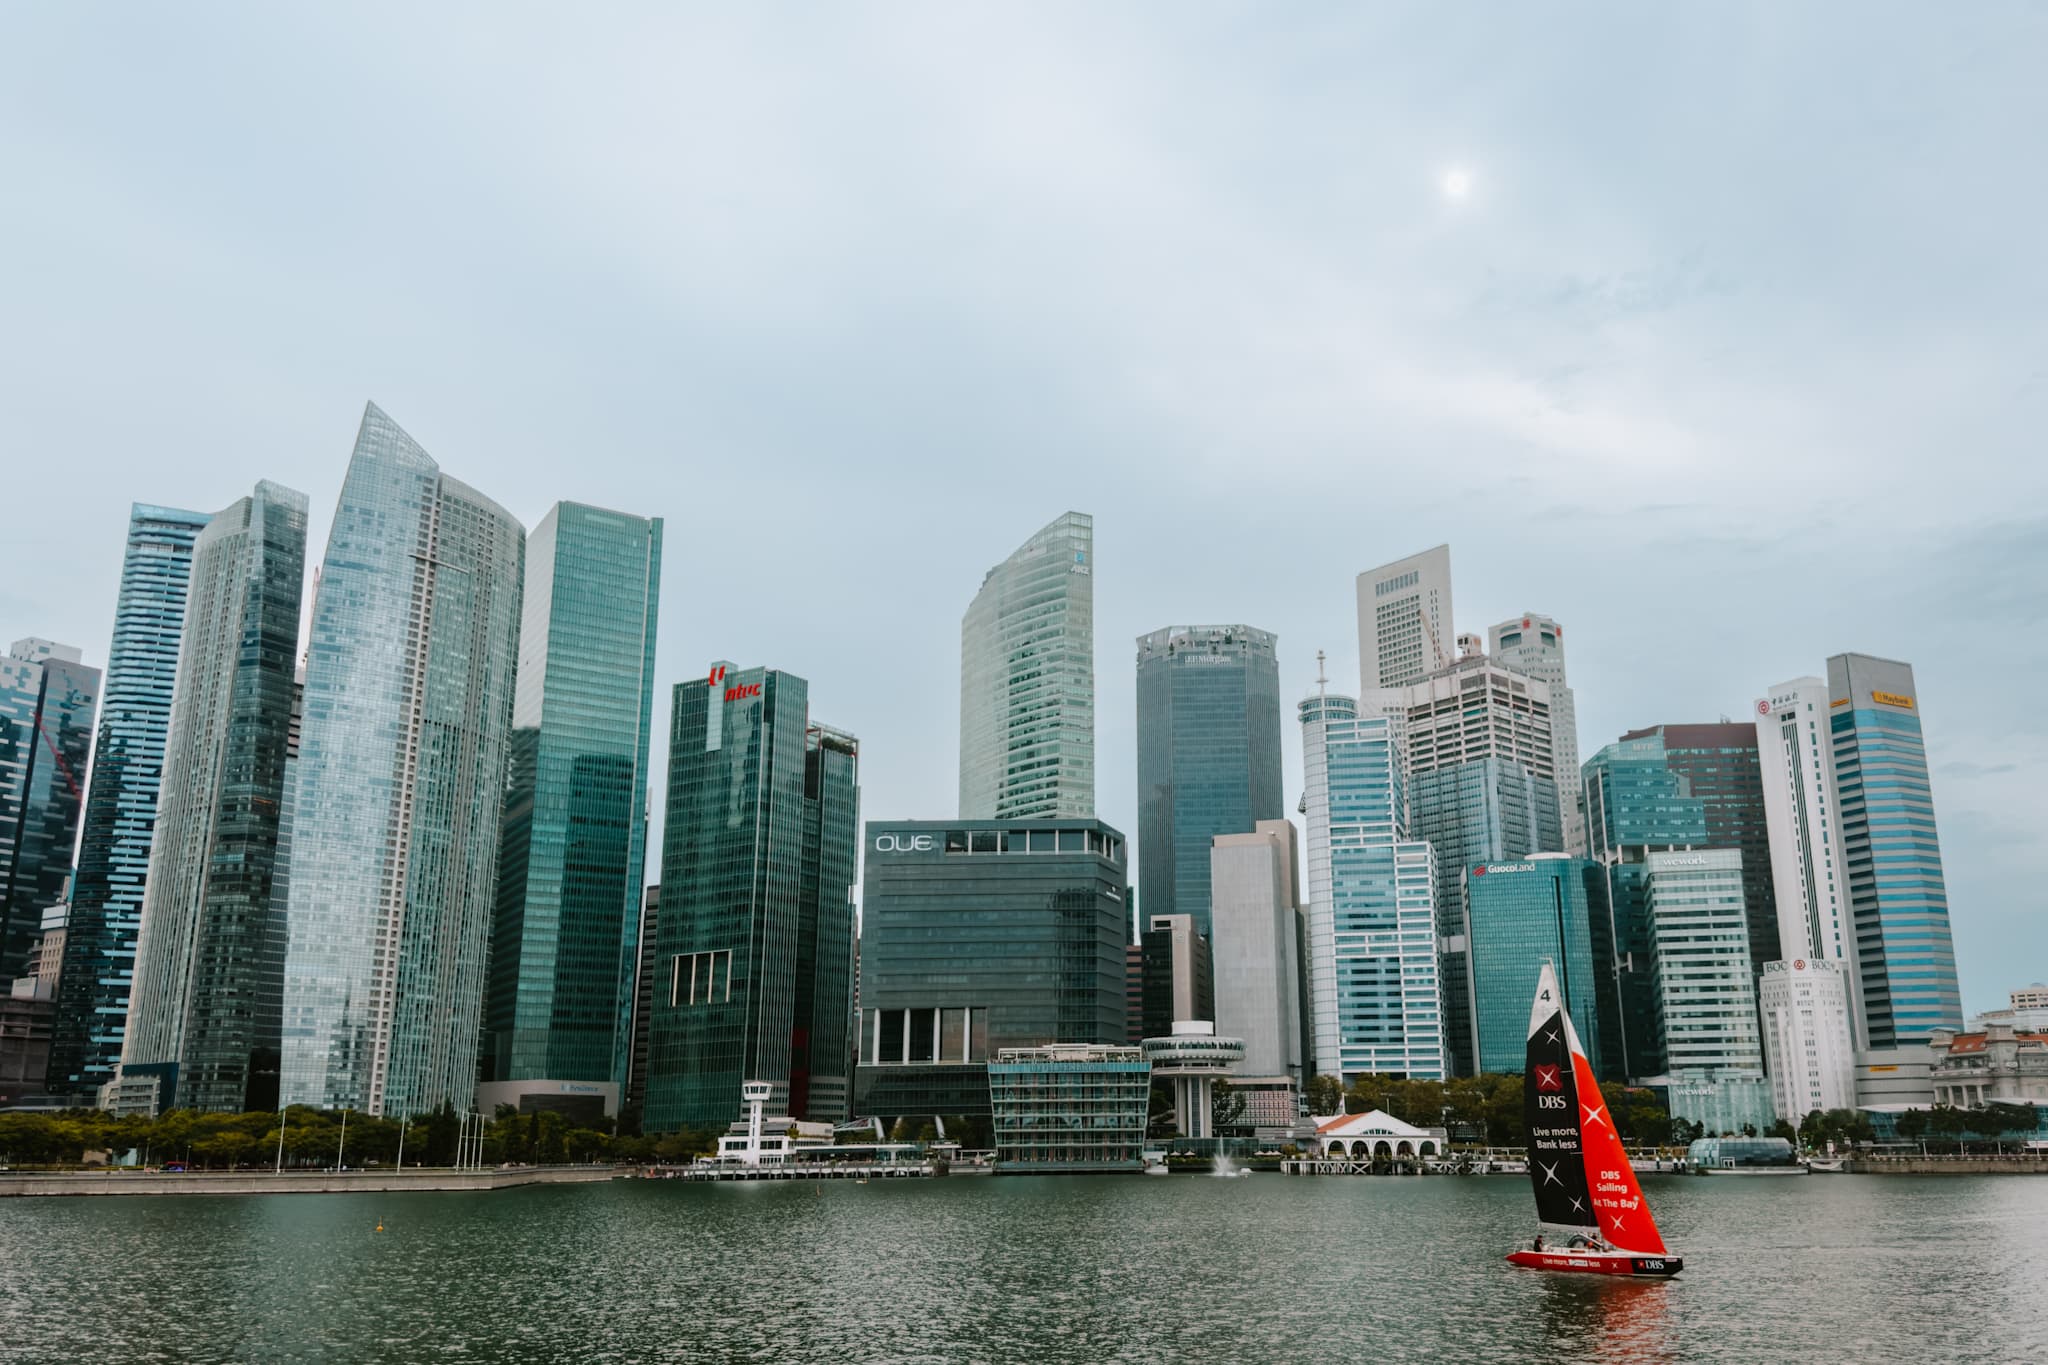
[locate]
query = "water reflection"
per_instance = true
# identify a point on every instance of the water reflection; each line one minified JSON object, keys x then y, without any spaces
{"x":1610,"y":1318}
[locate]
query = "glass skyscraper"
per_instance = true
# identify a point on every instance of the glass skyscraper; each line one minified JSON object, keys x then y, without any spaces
{"x":1523,"y":914}
{"x":1375,"y":1000}
{"x":1532,"y":643}
{"x":207,"y":1003}
{"x":573,"y":857}
{"x":48,"y":700}
{"x":1208,"y":755}
{"x":1027,"y":681}
{"x":1905,"y":960}
{"x":753,"y":954}
{"x":400,"y":785}
{"x":120,"y":805}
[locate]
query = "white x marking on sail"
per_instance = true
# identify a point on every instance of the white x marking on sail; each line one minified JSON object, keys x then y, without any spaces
{"x":1550,"y":1173}
{"x":1579,"y":1205}
{"x":1550,"y":1035}
{"x":1594,"y":1115}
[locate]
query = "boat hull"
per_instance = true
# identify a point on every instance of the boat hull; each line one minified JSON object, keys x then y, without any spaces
{"x":1599,"y":1263}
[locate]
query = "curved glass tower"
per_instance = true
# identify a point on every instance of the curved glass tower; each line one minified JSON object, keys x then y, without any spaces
{"x":1027,"y":681}
{"x":400,"y":786}
{"x":209,"y":962}
{"x":120,"y":804}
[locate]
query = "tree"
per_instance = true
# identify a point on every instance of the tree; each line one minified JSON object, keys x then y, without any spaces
{"x":1161,"y":1122}
{"x":1325,"y":1095}
{"x":1949,"y":1122}
{"x":1226,"y":1107}
{"x":1782,"y":1129}
{"x":2009,"y":1120}
{"x":1912,"y":1124}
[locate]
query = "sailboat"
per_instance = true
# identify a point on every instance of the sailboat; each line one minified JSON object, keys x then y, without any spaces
{"x":1593,"y":1217}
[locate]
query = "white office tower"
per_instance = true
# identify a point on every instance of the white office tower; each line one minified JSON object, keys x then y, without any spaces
{"x":1374,"y":1002}
{"x":1405,"y":628}
{"x":1027,"y":681}
{"x":1255,"y":946}
{"x":1705,"y":993}
{"x":1808,"y":997}
{"x":1805,"y":1006}
{"x":1532,"y":643}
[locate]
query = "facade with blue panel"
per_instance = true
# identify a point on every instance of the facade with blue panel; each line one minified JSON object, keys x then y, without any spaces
{"x":1891,"y":851}
{"x":120,"y":805}
{"x":1520,"y":915}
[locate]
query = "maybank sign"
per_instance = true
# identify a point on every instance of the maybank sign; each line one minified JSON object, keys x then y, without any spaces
{"x":1892,"y":699}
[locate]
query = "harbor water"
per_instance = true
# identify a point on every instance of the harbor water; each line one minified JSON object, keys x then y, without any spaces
{"x":1061,"y":1269}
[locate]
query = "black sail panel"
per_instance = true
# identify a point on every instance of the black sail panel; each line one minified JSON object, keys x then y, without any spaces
{"x":1550,"y":1115}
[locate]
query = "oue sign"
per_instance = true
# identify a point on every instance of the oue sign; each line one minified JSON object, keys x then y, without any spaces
{"x":903,"y":843}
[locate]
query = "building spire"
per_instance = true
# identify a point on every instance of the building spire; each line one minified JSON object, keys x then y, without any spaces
{"x":1322,"y":676}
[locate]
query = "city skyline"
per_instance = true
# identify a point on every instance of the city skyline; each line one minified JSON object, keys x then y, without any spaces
{"x":1261,"y":379}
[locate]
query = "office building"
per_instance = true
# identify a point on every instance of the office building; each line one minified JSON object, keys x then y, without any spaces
{"x":1707,"y":1035}
{"x":400,"y":784}
{"x":2034,"y":997}
{"x":1482,"y":788}
{"x":1134,"y":992}
{"x":48,"y":701}
{"x":1995,"y":1065}
{"x":634,"y":1097}
{"x":1027,"y":681}
{"x":753,"y":949}
{"x":979,"y":936}
{"x":1256,"y":948}
{"x":1374,"y":1003}
{"x":206,"y":1009}
{"x":1208,"y":755}
{"x":1069,"y":1107}
{"x":120,"y":805}
{"x":573,"y":848}
{"x":1523,"y":914}
{"x":821,"y":1057}
{"x":1532,"y":643}
{"x":1405,"y":627}
{"x":1906,"y":984}
{"x":1808,"y":1052}
{"x":1178,"y":974}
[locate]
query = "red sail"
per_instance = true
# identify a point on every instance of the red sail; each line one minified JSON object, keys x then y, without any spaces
{"x":1618,"y":1201}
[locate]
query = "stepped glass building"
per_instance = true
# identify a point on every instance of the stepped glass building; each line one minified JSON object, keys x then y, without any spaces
{"x":120,"y":806}
{"x":1027,"y":681}
{"x":403,"y":755}
{"x":207,"y":1005}
{"x":558,"y":1011}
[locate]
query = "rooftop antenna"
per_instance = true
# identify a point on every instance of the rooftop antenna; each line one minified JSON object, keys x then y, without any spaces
{"x":1322,"y":682}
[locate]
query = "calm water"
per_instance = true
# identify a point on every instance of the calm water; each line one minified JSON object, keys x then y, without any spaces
{"x":1825,"y":1268}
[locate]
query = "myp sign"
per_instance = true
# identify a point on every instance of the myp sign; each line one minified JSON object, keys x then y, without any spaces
{"x":905,"y":842}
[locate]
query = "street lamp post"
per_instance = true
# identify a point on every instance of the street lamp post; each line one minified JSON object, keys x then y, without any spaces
{"x":281,"y":1115}
{"x":341,"y":1144}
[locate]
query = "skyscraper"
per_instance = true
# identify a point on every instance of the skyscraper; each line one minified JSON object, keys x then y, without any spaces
{"x":821,"y":1044}
{"x":559,"y":1002}
{"x":1705,"y":990}
{"x":48,"y":699}
{"x":400,"y":784}
{"x":1405,"y":628}
{"x":1257,"y":948}
{"x":207,"y":1003}
{"x":1208,"y":755}
{"x":120,"y":804}
{"x":1532,"y":643}
{"x":1523,"y":914}
{"x":1177,"y":975}
{"x":1027,"y":681}
{"x":1374,"y":997}
{"x":751,"y":964}
{"x":1891,"y":853}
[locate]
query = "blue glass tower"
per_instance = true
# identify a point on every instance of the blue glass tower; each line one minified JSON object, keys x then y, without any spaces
{"x":1208,"y":755}
{"x":1519,"y":915}
{"x":48,"y":699}
{"x":574,"y":848}
{"x":1905,"y":958}
{"x":120,"y":805}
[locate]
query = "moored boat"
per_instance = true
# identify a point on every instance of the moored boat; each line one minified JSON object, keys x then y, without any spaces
{"x":1593,"y":1217}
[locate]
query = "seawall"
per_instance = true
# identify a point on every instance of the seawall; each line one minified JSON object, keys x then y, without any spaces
{"x":119,"y":1182}
{"x":1948,"y":1165}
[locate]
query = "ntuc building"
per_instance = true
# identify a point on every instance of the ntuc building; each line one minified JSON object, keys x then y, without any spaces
{"x":980,"y":935}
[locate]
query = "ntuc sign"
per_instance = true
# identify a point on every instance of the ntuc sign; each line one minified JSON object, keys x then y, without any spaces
{"x":904,"y":843}
{"x":738,"y":691}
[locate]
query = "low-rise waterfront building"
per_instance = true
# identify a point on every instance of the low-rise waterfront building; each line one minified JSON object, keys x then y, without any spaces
{"x":1375,"y":1136}
{"x":1070,"y":1107}
{"x":1192,"y":1058}
{"x":2000,"y":1065}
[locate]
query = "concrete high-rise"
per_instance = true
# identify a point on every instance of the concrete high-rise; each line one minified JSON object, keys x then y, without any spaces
{"x":558,"y":1007}
{"x":1256,"y":948}
{"x":48,"y":700}
{"x":1906,"y":985}
{"x":1027,"y":681}
{"x":120,"y":805}
{"x":206,"y":1010}
{"x":1374,"y":1003}
{"x":1532,"y":643}
{"x":1208,"y":755}
{"x":1808,"y":1052}
{"x":1176,"y":975}
{"x":1707,"y":1032}
{"x":1405,"y":627}
{"x":403,"y":754}
{"x":752,"y":949}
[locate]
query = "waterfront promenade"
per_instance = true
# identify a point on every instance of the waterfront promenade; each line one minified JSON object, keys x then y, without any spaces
{"x":117,"y":1181}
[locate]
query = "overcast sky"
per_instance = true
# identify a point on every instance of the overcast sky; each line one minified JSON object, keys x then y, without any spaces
{"x":1730,"y":356}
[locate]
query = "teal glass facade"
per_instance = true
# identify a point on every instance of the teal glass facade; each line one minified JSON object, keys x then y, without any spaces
{"x":1208,"y":755}
{"x":1891,"y":851}
{"x":1070,"y":1108}
{"x":573,"y":852}
{"x":821,"y":1045}
{"x":1523,"y":914}
{"x":120,"y":805}
{"x":48,"y":701}
{"x":400,"y":785}
{"x":207,"y":1004}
